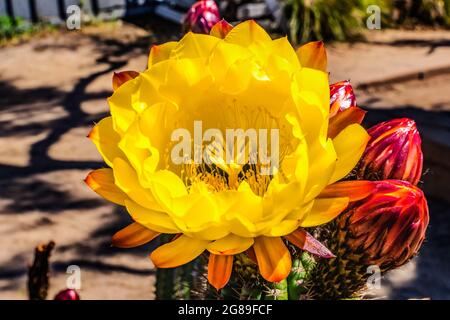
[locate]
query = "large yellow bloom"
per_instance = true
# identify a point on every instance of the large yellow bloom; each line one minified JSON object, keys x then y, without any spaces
{"x":238,"y":78}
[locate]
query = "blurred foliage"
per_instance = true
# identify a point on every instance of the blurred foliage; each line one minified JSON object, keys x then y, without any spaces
{"x":426,"y":12}
{"x":344,"y":19}
{"x":11,"y":29}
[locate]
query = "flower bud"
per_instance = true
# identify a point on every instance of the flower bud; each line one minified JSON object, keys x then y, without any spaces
{"x":388,"y":227}
{"x":343,"y":109}
{"x":393,"y":152}
{"x":201,"y":17}
{"x":341,"y":97}
{"x":384,"y":227}
{"x":67,"y":294}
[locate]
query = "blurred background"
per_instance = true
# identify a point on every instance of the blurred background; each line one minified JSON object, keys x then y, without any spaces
{"x":57,"y":58}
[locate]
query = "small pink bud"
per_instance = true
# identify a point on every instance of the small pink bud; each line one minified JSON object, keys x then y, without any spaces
{"x":341,"y":97}
{"x":67,"y":294}
{"x":201,"y":17}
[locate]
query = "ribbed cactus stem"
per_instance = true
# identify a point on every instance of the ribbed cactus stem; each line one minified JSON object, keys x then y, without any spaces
{"x":302,"y":265}
{"x":183,"y":281}
{"x":342,"y":277}
{"x":165,"y":284}
{"x":245,"y":282}
{"x":277,"y":291}
{"x":165,"y":278}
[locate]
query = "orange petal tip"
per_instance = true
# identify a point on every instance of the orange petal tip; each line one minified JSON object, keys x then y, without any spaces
{"x":313,"y":55}
{"x":274,"y":259}
{"x":119,"y":78}
{"x":132,"y":236}
{"x":90,"y":181}
{"x":221,"y":29}
{"x":219,"y":270}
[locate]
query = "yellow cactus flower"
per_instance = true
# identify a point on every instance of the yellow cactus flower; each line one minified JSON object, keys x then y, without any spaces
{"x":234,"y":78}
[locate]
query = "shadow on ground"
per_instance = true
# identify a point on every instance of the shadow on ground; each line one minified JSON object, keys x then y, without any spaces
{"x":23,"y":193}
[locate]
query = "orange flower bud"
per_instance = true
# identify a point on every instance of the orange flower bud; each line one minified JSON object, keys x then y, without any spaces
{"x":388,"y":227}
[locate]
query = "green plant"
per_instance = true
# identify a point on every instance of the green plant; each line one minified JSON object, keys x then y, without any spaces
{"x":426,"y":12}
{"x":344,"y":19}
{"x":324,"y":20}
{"x":10,"y":27}
{"x":18,"y":27}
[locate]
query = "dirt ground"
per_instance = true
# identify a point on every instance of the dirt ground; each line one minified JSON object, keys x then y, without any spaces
{"x":52,"y":90}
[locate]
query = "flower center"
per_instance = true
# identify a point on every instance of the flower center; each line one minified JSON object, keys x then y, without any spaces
{"x":220,"y":178}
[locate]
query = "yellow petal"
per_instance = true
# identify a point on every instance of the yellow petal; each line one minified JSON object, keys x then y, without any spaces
{"x":219,"y":270}
{"x":120,"y":105}
{"x":161,"y":52}
{"x":283,"y":228}
{"x":323,"y":211}
{"x":282,"y":48}
{"x":246,"y":33}
{"x":102,"y":182}
{"x":194,"y":45}
{"x":300,"y":212}
{"x":314,"y":90}
{"x":126,"y":179}
{"x":231,"y":244}
{"x":196,"y":210}
{"x":185,"y":75}
{"x":133,"y":235}
{"x":106,"y":140}
{"x":136,"y":148}
{"x":243,"y":210}
{"x":322,"y":161}
{"x":274,"y":259}
{"x":221,"y":29}
{"x":151,"y":219}
{"x":313,"y":55}
{"x":178,"y":252}
{"x":165,"y":186}
{"x":238,"y":77}
{"x":223,"y":56}
{"x":281,"y":198}
{"x":349,"y":145}
{"x":147,"y":137}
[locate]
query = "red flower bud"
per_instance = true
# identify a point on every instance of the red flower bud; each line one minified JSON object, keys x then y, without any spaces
{"x":341,"y":97}
{"x":343,"y":109}
{"x":387,"y":227}
{"x":201,"y":17}
{"x":393,"y":152}
{"x":67,"y":294}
